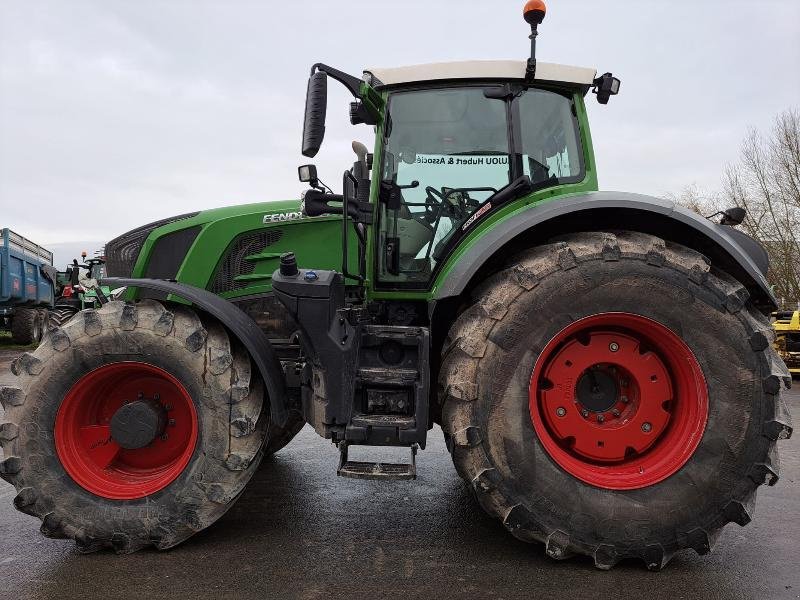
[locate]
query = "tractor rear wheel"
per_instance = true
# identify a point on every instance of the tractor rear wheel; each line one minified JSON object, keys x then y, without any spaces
{"x":614,"y":396}
{"x":132,"y":425}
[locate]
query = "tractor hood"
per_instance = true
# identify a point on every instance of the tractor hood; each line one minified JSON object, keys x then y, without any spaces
{"x":225,"y":249}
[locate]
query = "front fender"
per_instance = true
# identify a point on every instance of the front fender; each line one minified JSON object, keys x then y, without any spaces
{"x":238,"y":323}
{"x":727,"y":248}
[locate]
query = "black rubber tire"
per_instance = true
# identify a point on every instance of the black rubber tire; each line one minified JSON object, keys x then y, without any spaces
{"x":279,"y":437}
{"x":487,"y":363}
{"x":26,"y":326}
{"x":232,"y":421}
{"x":59,"y":315}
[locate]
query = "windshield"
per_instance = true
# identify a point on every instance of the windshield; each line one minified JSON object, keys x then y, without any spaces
{"x":449,"y":150}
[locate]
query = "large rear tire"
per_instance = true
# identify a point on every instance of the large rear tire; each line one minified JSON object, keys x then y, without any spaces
{"x":68,"y":462}
{"x":614,"y":396}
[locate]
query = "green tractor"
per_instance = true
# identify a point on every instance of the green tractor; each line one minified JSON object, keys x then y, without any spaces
{"x":600,"y":363}
{"x":79,"y":290}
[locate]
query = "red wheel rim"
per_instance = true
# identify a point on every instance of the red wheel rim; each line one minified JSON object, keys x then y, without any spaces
{"x":618,"y":401}
{"x":97,"y":462}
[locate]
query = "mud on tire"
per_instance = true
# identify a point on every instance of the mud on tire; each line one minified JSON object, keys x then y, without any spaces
{"x":484,"y":382}
{"x":227,"y":396}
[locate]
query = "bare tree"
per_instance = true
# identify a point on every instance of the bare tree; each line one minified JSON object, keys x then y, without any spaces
{"x":698,"y":199}
{"x":766,"y":182}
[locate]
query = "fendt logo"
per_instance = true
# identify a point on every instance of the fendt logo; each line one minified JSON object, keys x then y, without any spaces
{"x":280,"y":217}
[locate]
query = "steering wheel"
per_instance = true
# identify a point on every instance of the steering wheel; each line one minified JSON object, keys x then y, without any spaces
{"x":453,"y":204}
{"x":432,"y":208}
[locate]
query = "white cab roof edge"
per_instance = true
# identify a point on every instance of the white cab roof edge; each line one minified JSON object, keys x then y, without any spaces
{"x":481,"y":69}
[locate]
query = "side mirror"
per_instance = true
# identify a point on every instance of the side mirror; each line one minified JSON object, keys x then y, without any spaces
{"x":316,"y":107}
{"x":308,"y":174}
{"x":606,"y":86}
{"x":733,"y":216}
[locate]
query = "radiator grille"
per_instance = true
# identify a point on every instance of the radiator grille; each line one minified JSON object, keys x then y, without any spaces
{"x":122,"y":252}
{"x":234,"y":264}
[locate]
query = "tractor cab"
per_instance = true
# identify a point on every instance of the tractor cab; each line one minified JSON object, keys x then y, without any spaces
{"x":455,"y":142}
{"x":460,"y":140}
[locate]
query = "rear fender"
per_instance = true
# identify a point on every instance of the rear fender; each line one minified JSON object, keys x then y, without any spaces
{"x":238,"y":323}
{"x":728,"y":249}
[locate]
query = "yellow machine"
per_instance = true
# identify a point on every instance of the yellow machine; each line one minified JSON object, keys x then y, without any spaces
{"x":787,"y":338}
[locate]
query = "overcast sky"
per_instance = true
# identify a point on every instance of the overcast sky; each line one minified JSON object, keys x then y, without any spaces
{"x":113,"y":114}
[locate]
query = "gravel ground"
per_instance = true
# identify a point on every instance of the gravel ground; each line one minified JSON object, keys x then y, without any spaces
{"x":298,"y":531}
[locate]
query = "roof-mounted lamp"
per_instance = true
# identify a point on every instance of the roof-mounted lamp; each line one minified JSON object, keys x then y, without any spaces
{"x":534,"y":13}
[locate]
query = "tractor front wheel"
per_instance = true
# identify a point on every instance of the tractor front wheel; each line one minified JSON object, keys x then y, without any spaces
{"x":614,"y":396}
{"x":132,"y":425}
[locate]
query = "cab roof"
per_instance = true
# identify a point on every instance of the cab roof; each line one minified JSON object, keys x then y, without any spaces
{"x":478,"y":69}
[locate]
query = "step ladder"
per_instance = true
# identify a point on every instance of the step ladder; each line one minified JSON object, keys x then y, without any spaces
{"x":376,"y":470}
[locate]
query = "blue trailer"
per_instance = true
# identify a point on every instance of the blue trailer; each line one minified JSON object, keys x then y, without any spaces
{"x":27,"y":286}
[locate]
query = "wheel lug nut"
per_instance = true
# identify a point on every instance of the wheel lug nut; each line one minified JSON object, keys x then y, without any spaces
{"x":623,"y":382}
{"x":646,"y":427}
{"x":140,"y":395}
{"x":600,"y":418}
{"x":171,"y":422}
{"x":585,"y":413}
{"x":615,"y":412}
{"x":561,"y":411}
{"x":168,"y":407}
{"x":613,"y":346}
{"x":624,"y":399}
{"x":164,"y":437}
{"x":156,"y":397}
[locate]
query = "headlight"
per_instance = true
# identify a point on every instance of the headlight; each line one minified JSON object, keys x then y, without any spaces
{"x":123,"y":251}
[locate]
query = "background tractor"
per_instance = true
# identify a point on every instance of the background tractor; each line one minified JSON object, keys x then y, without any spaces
{"x":80,"y":289}
{"x":601,"y":363}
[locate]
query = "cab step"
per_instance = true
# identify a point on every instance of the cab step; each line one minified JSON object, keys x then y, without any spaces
{"x":376,"y":470}
{"x":368,"y":420}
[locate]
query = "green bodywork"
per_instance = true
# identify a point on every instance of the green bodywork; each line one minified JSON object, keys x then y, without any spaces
{"x":317,"y":241}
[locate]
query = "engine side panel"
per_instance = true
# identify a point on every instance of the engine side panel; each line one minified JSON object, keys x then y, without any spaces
{"x":236,"y":249}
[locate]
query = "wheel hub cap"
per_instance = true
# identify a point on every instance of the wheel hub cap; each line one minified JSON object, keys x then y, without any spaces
{"x":136,"y":424}
{"x":597,"y":390}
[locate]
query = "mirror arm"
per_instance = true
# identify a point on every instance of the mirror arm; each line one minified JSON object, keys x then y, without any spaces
{"x":353,"y":84}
